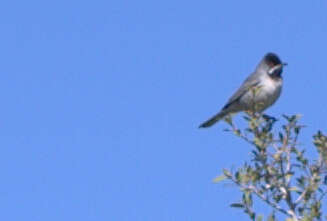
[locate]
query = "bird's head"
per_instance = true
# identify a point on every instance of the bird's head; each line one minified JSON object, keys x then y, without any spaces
{"x":272,"y":65}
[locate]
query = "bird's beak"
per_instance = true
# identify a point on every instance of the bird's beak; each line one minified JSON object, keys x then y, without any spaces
{"x":284,"y":64}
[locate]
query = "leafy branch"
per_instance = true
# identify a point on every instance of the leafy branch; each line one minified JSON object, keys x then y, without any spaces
{"x":279,"y":173}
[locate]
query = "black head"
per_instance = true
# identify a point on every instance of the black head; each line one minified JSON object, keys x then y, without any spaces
{"x":273,"y":64}
{"x":272,"y":59}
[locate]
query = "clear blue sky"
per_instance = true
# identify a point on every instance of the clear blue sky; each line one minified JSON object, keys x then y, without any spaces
{"x":100,"y":102}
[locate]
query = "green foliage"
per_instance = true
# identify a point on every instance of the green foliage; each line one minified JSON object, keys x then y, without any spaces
{"x":279,"y":173}
{"x":219,"y":178}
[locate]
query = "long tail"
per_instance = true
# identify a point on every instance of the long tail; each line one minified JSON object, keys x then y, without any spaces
{"x":213,"y":119}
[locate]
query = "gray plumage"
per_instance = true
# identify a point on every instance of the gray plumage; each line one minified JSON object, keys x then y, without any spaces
{"x":258,"y":92}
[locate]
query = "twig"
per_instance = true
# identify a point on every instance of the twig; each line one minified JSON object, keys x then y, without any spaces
{"x":262,"y":197}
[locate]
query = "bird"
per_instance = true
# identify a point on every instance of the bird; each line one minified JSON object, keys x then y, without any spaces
{"x":259,"y":91}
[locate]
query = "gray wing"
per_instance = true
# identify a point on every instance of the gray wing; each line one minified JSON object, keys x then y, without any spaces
{"x":250,"y":82}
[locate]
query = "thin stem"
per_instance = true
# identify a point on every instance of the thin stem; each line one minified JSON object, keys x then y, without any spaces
{"x":262,"y":197}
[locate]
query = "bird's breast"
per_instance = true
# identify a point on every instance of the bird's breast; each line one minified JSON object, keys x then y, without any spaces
{"x":268,"y":91}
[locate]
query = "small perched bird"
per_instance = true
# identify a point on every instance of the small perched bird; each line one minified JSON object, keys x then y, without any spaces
{"x":258,"y":92}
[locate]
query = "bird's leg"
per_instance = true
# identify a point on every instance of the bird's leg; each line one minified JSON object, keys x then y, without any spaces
{"x":253,"y":111}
